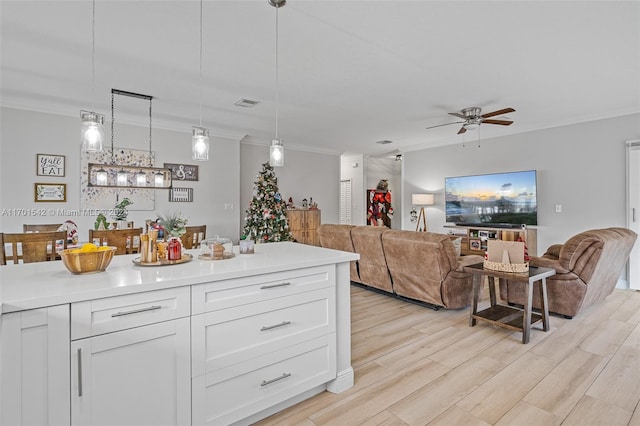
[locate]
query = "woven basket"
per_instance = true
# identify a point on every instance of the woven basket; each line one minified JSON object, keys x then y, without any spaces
{"x":506,"y":267}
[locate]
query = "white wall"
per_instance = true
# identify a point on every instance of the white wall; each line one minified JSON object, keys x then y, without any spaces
{"x":24,"y":134}
{"x":581,"y":167}
{"x":304,"y":175}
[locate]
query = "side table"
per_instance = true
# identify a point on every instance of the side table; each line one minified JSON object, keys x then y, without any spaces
{"x":507,"y":316}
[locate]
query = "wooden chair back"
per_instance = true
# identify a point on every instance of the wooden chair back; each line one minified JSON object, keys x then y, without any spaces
{"x":53,"y":227}
{"x":194,"y":236}
{"x":3,"y":258}
{"x":127,"y":241}
{"x":31,"y":247}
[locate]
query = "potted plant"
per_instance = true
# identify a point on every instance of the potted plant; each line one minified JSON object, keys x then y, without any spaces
{"x":175,"y":227}
{"x":120,"y":212}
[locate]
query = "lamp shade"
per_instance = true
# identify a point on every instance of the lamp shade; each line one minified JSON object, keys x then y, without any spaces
{"x":200,"y":144}
{"x":91,"y":131}
{"x":422,"y":199}
{"x":276,"y":153}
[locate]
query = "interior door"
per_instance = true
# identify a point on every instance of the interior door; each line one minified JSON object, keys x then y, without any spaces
{"x":633,"y":210}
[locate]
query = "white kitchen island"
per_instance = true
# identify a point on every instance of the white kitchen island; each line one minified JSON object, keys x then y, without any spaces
{"x":204,"y":342}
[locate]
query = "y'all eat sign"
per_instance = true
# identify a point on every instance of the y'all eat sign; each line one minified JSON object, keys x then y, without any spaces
{"x":50,"y":165}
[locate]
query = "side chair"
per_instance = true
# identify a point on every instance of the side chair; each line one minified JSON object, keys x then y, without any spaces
{"x":127,"y":241}
{"x":194,"y":236}
{"x":31,"y":247}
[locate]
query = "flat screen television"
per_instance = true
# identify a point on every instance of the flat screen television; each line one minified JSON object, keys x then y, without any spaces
{"x":497,"y":199}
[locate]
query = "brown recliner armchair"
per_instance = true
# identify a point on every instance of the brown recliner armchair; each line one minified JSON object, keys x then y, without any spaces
{"x":587,"y":268}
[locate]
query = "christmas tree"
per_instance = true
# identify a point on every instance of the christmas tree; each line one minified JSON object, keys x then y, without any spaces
{"x":266,"y":218}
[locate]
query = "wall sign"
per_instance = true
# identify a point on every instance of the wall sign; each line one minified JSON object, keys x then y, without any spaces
{"x":180,"y":194}
{"x":182,"y":171}
{"x":50,"y":192}
{"x":50,"y":165}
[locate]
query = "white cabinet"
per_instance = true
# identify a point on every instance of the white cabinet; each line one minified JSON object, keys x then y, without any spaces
{"x":35,"y":367}
{"x":140,"y":374}
{"x":260,"y":341}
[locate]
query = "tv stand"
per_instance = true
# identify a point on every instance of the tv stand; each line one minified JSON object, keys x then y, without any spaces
{"x":475,"y":237}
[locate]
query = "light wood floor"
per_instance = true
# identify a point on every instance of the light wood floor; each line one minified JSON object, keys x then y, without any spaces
{"x":415,"y":366}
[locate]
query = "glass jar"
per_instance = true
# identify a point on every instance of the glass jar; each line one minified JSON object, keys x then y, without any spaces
{"x":174,"y":249}
{"x":208,"y":244}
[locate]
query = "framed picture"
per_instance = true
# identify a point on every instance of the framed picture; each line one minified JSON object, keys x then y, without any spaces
{"x":50,"y":165}
{"x":474,"y":244}
{"x":186,"y":172}
{"x":180,"y":194}
{"x":50,"y":192}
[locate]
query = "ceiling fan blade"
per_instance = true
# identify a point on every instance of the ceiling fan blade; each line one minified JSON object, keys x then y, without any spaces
{"x":445,"y":124}
{"x":462,"y":130}
{"x":501,"y":122}
{"x":498,"y":112}
{"x":457,"y":114}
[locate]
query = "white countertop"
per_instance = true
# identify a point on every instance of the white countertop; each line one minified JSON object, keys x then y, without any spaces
{"x":36,"y":285}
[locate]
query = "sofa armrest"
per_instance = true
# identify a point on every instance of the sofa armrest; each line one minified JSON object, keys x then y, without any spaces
{"x":554,"y":250}
{"x":468,"y":260}
{"x":548,"y":262}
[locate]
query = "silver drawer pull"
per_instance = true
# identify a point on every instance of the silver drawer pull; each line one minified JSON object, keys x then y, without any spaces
{"x":270,"y":327}
{"x":264,"y":287}
{"x":136,"y":311}
{"x":268,"y":382}
{"x":79,"y":371}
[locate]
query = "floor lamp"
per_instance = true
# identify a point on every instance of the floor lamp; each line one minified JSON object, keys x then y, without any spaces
{"x":422,"y":200}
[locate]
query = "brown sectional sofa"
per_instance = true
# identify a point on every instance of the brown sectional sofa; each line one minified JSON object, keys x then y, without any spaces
{"x":587,"y":268}
{"x":420,"y":266}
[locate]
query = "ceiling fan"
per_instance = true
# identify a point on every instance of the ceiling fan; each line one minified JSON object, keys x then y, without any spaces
{"x":473,"y":117}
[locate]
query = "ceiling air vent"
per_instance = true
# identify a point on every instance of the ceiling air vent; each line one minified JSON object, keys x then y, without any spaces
{"x":245,"y":103}
{"x":384,"y":142}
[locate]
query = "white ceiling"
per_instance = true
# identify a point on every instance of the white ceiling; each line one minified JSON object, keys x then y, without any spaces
{"x":350,"y":72}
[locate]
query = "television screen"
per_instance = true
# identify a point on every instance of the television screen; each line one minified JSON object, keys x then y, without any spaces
{"x":492,"y":199}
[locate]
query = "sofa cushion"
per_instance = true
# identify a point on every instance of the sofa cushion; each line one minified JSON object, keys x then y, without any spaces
{"x":338,"y":237}
{"x":372,"y":266}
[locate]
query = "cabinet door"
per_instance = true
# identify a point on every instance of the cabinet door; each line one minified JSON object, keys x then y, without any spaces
{"x":35,"y":367}
{"x":295,"y":219}
{"x":313,"y":219}
{"x":135,"y":376}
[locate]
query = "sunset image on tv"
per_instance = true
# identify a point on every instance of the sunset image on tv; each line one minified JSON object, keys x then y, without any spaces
{"x":499,"y":198}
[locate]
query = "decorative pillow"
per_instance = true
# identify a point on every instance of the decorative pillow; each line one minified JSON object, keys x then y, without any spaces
{"x":457,"y":244}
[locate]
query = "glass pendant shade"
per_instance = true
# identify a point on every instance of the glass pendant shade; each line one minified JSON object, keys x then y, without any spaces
{"x":276,"y":153}
{"x":102,"y":178}
{"x":200,"y":144}
{"x":121,"y":178}
{"x":158,"y":179}
{"x":91,"y":131}
{"x":141,"y":178}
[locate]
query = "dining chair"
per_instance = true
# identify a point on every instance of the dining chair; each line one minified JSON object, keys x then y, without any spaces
{"x":53,"y":227}
{"x":34,"y":246}
{"x":3,"y":259}
{"x":126,"y":241}
{"x":194,"y":236}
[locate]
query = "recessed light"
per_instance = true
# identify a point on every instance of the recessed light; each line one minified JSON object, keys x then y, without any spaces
{"x":245,"y":103}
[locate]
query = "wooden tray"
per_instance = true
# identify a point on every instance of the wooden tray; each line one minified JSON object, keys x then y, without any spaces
{"x":225,"y":255}
{"x":185,"y":258}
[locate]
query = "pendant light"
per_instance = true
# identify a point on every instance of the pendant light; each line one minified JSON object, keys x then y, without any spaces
{"x":124,"y":176}
{"x":200,"y":138}
{"x":92,"y":123}
{"x":276,"y":151}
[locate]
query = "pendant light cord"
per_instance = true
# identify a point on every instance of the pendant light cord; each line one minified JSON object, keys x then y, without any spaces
{"x":277,"y":87}
{"x":113,"y":119}
{"x":150,"y":162}
{"x":93,"y":56}
{"x":200,"y":63}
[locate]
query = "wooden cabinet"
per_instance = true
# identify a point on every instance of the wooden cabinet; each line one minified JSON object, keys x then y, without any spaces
{"x":132,"y":369}
{"x":260,"y":341}
{"x":34,"y":348}
{"x":474,"y":239}
{"x":303,"y":225}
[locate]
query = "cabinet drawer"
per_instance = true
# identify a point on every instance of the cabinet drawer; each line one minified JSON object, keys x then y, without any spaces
{"x":227,"y":337}
{"x":100,"y":316}
{"x":229,"y":293}
{"x":240,"y":391}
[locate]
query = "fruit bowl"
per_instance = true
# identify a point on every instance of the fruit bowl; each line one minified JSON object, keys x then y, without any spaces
{"x":86,"y":262}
